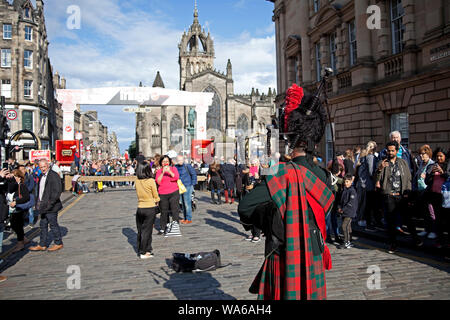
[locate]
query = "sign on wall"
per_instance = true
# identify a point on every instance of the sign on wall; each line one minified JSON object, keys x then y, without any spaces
{"x":39,"y":154}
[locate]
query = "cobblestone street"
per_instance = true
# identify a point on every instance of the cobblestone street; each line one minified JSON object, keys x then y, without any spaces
{"x":100,"y":237}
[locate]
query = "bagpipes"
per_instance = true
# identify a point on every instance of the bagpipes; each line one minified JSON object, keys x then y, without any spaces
{"x":295,"y":98}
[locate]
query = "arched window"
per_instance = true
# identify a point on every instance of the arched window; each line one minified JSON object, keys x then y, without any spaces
{"x":156,"y":133}
{"x":242,"y":124}
{"x":214,"y":112}
{"x":176,"y":134}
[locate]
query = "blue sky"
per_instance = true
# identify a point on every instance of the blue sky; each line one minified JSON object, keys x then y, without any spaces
{"x":120,"y":43}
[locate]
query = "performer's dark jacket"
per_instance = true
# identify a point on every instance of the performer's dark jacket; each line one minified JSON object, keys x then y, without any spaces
{"x":257,"y":208}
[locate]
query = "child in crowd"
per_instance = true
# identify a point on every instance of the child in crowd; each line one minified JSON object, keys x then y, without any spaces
{"x":348,"y":206}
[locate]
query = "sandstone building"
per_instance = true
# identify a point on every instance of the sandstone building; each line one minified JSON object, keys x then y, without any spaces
{"x":230,"y":114}
{"x":396,"y":77}
{"x":26,"y":72}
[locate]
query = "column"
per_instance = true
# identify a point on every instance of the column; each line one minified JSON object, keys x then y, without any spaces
{"x":409,"y":22}
{"x":363,"y":34}
{"x":384,"y":32}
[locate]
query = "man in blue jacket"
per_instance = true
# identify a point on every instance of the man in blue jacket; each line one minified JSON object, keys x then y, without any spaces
{"x":189,"y":178}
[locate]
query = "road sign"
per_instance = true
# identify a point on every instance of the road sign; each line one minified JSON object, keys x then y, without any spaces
{"x":11,"y":115}
{"x":138,"y":110}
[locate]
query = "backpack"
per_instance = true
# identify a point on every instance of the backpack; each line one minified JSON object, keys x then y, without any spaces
{"x":197,"y":262}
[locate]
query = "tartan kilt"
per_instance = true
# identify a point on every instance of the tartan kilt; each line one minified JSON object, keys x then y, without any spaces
{"x":268,"y":282}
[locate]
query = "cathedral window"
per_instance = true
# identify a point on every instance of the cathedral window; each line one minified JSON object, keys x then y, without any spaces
{"x":176,"y":130}
{"x":242,"y":125}
{"x":214,"y":112}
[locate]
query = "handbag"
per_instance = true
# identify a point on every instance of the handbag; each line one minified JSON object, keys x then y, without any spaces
{"x":181,"y":188}
{"x":446,"y":194}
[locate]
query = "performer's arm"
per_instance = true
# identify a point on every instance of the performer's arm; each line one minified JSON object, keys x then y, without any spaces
{"x":260,"y":194}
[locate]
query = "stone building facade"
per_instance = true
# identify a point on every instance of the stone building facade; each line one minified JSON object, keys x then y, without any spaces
{"x":229,"y":116}
{"x":97,"y":143}
{"x":26,"y":72}
{"x":396,"y":77}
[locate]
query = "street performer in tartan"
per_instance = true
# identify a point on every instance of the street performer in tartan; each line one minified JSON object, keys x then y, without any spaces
{"x":289,"y":206}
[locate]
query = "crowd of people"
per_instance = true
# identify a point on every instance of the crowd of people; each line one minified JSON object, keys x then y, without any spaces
{"x":394,"y":188}
{"x":25,"y":187}
{"x":387,"y":190}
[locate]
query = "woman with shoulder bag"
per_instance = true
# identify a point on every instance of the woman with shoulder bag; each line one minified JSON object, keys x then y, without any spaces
{"x":20,"y":196}
{"x":147,"y":210}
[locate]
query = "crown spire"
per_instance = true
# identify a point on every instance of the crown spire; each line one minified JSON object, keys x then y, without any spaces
{"x":195,"y":11}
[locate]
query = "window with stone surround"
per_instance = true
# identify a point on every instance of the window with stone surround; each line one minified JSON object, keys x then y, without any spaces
{"x":6,"y":58}
{"x":400,"y":122}
{"x":352,"y":41}
{"x":316,"y":4}
{"x":318,"y":64}
{"x":7,"y":31}
{"x":6,"y":88}
{"x":333,"y":49}
{"x":28,"y":59}
{"x":28,"y":33}
{"x":28,"y":88}
{"x":293,"y":70}
{"x":397,"y":26}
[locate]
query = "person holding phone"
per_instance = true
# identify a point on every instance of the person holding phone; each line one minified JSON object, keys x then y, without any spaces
{"x":166,"y":178}
{"x":436,"y":175}
{"x":21,"y":196}
{"x":394,"y":178}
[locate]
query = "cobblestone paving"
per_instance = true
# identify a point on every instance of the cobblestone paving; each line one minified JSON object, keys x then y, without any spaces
{"x":100,"y":237}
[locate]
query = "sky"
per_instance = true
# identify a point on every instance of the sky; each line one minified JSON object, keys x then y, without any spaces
{"x":121,"y":43}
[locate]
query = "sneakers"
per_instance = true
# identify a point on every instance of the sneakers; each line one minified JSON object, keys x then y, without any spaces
{"x":422,"y":234}
{"x":432,"y":235}
{"x":148,"y":255}
{"x":256,"y":239}
{"x":249,"y":238}
{"x":172,"y":230}
{"x":362,"y":223}
{"x":3,"y":278}
{"x":392,"y":249}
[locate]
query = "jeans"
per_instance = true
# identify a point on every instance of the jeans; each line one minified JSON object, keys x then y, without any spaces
{"x":169,"y":204}
{"x":52,"y":219}
{"x":145,"y":219}
{"x":395,"y":206}
{"x":186,"y":202}
{"x":2,"y":228}
{"x":31,"y":216}
{"x":332,"y":222}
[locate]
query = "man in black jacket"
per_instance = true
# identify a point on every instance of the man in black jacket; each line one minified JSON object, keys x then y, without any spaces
{"x":48,"y":205}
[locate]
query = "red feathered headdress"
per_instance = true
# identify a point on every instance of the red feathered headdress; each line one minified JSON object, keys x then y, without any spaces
{"x":294,"y":97}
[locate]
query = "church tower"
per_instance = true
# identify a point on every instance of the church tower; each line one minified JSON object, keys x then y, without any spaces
{"x":196,"y":51}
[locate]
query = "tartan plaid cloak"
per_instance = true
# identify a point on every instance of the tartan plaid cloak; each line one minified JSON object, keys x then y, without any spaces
{"x":299,"y":275}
